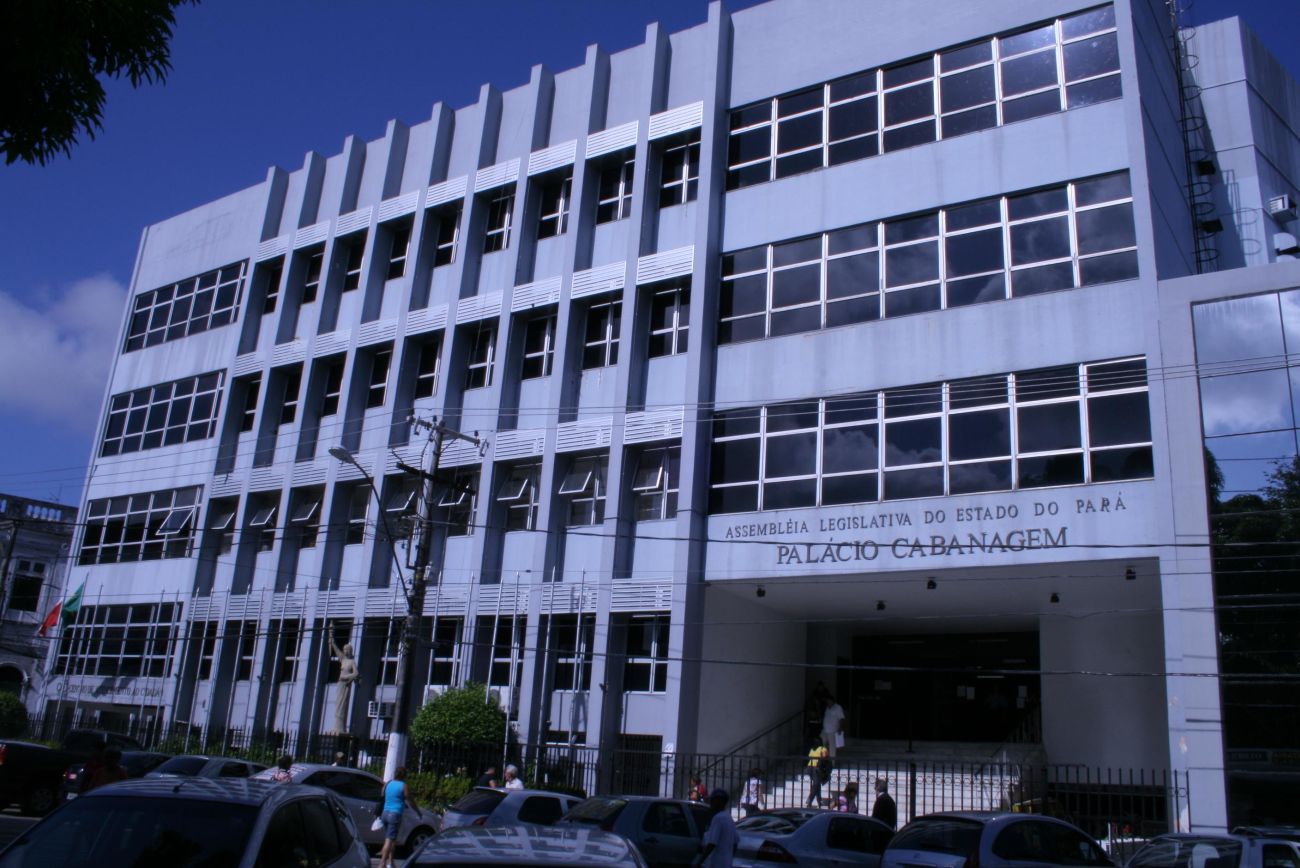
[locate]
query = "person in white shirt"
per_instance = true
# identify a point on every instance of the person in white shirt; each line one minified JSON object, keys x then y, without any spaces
{"x":720,"y":840}
{"x":512,"y":779}
{"x":832,"y":724}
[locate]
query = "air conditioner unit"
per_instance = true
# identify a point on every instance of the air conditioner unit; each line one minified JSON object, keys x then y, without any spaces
{"x":379,"y":710}
{"x":1282,"y":207}
{"x":1285,"y":245}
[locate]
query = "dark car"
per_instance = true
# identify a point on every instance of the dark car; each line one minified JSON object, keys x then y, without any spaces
{"x":810,"y":836}
{"x":31,"y":775}
{"x":991,"y":840}
{"x":193,"y":822}
{"x":137,"y":763}
{"x":666,"y":831}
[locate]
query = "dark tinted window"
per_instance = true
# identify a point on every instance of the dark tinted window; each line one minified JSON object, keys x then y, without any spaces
{"x":940,"y":835}
{"x":479,"y":802}
{"x":702,"y":814}
{"x":598,"y":811}
{"x":322,"y":830}
{"x":1040,"y":841}
{"x":543,"y":810}
{"x":182,"y":765}
{"x":286,"y":841}
{"x":234,"y":770}
{"x":846,"y":833}
{"x":138,"y":831}
{"x":666,"y":818}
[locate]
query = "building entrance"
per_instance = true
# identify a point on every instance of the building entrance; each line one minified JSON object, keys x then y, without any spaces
{"x":963,"y":687}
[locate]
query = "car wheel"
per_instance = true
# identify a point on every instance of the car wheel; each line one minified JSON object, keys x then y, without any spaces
{"x":416,"y":839}
{"x":39,"y":801}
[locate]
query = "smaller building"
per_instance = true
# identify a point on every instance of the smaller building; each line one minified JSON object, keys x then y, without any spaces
{"x":35,"y":538}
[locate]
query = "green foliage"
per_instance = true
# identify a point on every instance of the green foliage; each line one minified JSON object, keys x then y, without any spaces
{"x":459,"y":718}
{"x":53,"y":54}
{"x":430,"y":789}
{"x":13,"y":716}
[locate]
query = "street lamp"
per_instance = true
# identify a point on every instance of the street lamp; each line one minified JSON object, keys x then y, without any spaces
{"x":346,"y":457}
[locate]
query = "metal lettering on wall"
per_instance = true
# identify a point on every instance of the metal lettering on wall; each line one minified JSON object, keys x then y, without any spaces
{"x":113,"y":690}
{"x":953,"y":532}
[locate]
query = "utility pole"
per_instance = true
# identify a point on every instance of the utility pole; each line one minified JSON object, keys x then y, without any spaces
{"x":399,"y":735}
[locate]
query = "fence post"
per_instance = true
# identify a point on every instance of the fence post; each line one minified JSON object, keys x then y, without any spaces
{"x":911,"y":791}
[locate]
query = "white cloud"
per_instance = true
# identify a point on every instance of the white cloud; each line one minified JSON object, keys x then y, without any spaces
{"x":56,"y":350}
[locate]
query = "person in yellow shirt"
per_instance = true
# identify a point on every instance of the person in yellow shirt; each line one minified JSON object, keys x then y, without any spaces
{"x":818,"y":771}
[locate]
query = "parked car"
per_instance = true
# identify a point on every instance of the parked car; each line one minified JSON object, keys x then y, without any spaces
{"x":555,"y":847}
{"x":198,"y":766}
{"x":1216,"y":851}
{"x":483,"y":806}
{"x":666,"y":832}
{"x":137,"y":763}
{"x":359,"y":792}
{"x":193,"y":821}
{"x":1285,"y":833}
{"x":810,"y":836}
{"x":31,"y":775}
{"x":991,"y":840}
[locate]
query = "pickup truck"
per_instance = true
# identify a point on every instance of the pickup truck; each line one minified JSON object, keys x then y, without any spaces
{"x":31,"y":774}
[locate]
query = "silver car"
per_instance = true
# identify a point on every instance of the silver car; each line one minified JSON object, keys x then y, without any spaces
{"x":194,"y":821}
{"x":483,"y":806}
{"x":810,"y":836}
{"x":991,"y":840}
{"x":555,"y":847}
{"x":199,"y":766}
{"x":360,"y":792}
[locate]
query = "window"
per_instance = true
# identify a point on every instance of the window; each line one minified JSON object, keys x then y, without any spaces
{"x":539,"y":347}
{"x":305,"y":518}
{"x":313,"y":261}
{"x":292,"y":379}
{"x":181,"y":411}
{"x":553,"y":218}
{"x":584,"y":486}
{"x":499,"y":214}
{"x":1076,"y":234}
{"x":252,"y":389}
{"x":614,"y":191}
{"x":482,"y":353}
{"x":519,"y":493}
{"x":679,"y":176}
{"x":261,"y":521}
{"x":401,"y":492}
{"x":221,"y":524}
{"x":351,"y":253}
{"x":507,"y":657}
{"x":358,"y":510}
{"x":645,"y":669}
{"x":1039,"y":841}
{"x":543,"y":810}
{"x":654,"y":484}
{"x":332,"y":389}
{"x":189,"y":307}
{"x":667,"y":818}
{"x":1067,"y":63}
{"x":125,"y":529}
{"x":399,"y":238}
{"x":670,"y":320}
{"x":448,"y":222}
{"x":445,"y":652}
{"x":378,"y":382}
{"x":572,"y":646}
{"x":1024,"y":430}
{"x":426,"y":368}
{"x":203,"y":635}
{"x":244,"y":637}
{"x":459,"y":501}
{"x":391,"y":630}
{"x":269,"y":274}
{"x":600,"y":343}
{"x":119,"y":640}
{"x":25,"y":588}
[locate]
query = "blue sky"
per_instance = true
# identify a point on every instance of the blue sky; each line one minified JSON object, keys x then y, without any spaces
{"x":256,"y":84}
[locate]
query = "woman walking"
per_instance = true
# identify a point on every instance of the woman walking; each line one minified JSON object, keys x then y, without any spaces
{"x":396,"y":801}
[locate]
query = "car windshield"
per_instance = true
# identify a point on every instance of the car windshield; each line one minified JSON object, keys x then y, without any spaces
{"x":940,"y":835}
{"x":479,"y":802}
{"x":182,"y":765}
{"x":129,"y":832}
{"x":1188,"y":853}
{"x":596,"y":811}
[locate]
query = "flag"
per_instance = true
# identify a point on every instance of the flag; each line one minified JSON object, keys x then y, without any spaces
{"x":67,"y":609}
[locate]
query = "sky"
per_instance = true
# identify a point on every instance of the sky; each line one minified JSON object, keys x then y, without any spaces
{"x":254,"y":85}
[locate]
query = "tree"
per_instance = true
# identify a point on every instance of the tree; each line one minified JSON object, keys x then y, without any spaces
{"x":13,"y":716}
{"x":461,"y":717}
{"x":52,"y":55}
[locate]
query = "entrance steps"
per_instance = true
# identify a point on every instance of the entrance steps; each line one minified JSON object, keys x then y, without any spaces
{"x":934,"y":776}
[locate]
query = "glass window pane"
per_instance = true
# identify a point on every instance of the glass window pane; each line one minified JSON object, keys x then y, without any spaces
{"x":853,"y":118}
{"x":914,"y":71}
{"x":1238,"y":329}
{"x":977,"y":392}
{"x":1047,"y":278}
{"x":860,"y":237}
{"x":916,"y":441}
{"x":752,"y":145}
{"x":1031,"y":72}
{"x":791,"y":455}
{"x":910,"y":103}
{"x":1042,"y":103}
{"x":735,"y":461}
{"x":976,"y":290}
{"x":1047,"y":470}
{"x":845,"y":449}
{"x":1093,"y":91}
{"x":802,"y":250}
{"x":912,"y":264}
{"x":853,"y":86}
{"x":792,"y":417}
{"x":743,"y":498}
{"x":984,"y":434}
{"x":917,"y":482}
{"x":984,"y":476}
{"x":1048,"y":426}
{"x":1037,"y":203}
{"x":1090,"y":57}
{"x":909,"y":136}
{"x":853,"y":275}
{"x":918,"y":299}
{"x":796,"y":320}
{"x":796,"y":285}
{"x":758,"y":173}
{"x":1108,"y":228}
{"x":1117,"y":419}
{"x":1245,"y":403}
{"x":1040,"y":240}
{"x":971,"y":121}
{"x":734,"y":423}
{"x":790,"y":494}
{"x":1111,"y":465}
{"x":1088,"y":22}
{"x":1047,"y":383}
{"x":912,"y":228}
{"x":968,"y":55}
{"x":798,"y":133}
{"x":743,"y":295}
{"x":1106,"y":188}
{"x":854,"y":149}
{"x":1039,"y":37}
{"x":860,"y":488}
{"x":748,"y":329}
{"x":743,"y":261}
{"x":750,"y":115}
{"x":986,"y":212}
{"x":1108,"y":269}
{"x":804,"y":161}
{"x":1248,"y":460}
{"x":966,"y":89}
{"x":974,"y":252}
{"x":854,"y":408}
{"x":805,"y":100}
{"x":854,"y":310}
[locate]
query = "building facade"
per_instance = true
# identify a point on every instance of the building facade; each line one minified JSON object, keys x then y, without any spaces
{"x":829,"y":342}
{"x":36,"y":539}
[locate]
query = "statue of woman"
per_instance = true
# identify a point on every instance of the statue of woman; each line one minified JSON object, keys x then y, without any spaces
{"x":347,"y":675}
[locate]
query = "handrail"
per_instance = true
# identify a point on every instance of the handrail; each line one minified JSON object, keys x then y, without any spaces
{"x":727,"y":754}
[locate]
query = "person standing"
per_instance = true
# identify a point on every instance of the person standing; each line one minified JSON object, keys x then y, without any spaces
{"x":487,"y":778}
{"x":396,"y":801}
{"x":832,"y":725}
{"x":884,"y":809}
{"x":282,"y":773}
{"x":847,"y":803}
{"x":696,"y":792}
{"x":719,"y":845}
{"x":512,"y":779}
{"x":818,"y":758}
{"x":755,"y":796}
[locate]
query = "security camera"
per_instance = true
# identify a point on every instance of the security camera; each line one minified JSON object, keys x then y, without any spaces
{"x":760,"y":592}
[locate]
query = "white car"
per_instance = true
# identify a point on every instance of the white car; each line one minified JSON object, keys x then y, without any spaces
{"x":552,"y":846}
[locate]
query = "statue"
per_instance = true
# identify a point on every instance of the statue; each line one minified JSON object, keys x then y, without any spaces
{"x":347,"y":675}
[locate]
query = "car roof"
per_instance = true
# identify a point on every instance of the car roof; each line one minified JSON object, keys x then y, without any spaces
{"x":1234,"y":837}
{"x":240,"y":791}
{"x":525,"y":792}
{"x":525,"y":844}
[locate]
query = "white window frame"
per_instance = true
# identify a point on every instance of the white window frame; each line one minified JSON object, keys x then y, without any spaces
{"x":500,"y":215}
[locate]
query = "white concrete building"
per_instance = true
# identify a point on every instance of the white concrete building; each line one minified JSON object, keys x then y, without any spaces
{"x":830,"y":341}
